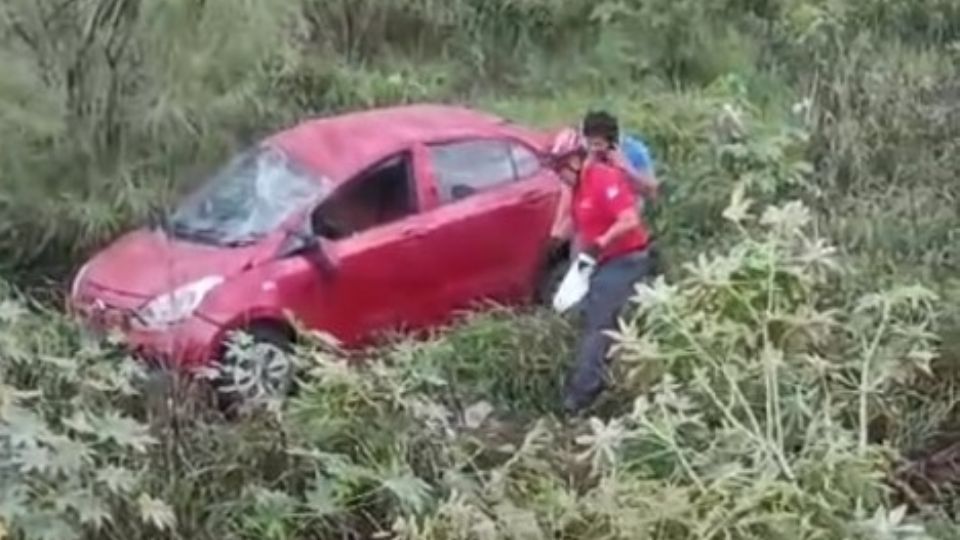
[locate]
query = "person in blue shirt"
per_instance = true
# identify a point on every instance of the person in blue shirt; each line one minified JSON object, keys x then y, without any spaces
{"x":635,"y":159}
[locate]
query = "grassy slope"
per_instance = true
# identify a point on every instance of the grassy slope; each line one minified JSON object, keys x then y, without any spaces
{"x":394,"y":446}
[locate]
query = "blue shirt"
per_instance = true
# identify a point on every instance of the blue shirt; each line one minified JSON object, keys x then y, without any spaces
{"x":637,"y":153}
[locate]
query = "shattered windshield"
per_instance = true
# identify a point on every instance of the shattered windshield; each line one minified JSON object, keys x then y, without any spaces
{"x":248,"y":198}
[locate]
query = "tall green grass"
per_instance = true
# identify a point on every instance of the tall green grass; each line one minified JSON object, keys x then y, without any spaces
{"x":756,"y":397}
{"x":761,"y":394}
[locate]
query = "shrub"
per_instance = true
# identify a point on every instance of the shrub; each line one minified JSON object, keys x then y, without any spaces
{"x":761,"y":397}
{"x":70,"y":457}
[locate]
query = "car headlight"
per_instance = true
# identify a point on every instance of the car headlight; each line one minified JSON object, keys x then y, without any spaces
{"x":177,"y":305}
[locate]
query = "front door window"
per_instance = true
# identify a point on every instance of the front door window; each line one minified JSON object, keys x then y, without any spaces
{"x":383,"y":195}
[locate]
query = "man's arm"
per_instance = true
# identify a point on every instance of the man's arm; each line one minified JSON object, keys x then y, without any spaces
{"x":627,"y":220}
{"x":617,"y":197}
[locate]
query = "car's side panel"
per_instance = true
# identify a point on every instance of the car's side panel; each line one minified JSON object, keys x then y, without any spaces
{"x":492,"y":242}
{"x":377,"y":285}
{"x":384,"y":278}
{"x":532,"y":208}
{"x":274,"y":289}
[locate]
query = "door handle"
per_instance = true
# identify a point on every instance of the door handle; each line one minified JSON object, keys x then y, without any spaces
{"x":530,"y":197}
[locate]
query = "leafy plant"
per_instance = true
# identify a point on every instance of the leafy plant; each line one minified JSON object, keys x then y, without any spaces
{"x":772,"y":385}
{"x":69,"y":455}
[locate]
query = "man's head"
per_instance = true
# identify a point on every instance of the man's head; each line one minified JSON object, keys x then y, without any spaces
{"x":601,"y":131}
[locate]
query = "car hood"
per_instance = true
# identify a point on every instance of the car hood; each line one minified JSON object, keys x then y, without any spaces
{"x":146,"y":263}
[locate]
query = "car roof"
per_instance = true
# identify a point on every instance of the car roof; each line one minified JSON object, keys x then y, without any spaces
{"x":339,"y":147}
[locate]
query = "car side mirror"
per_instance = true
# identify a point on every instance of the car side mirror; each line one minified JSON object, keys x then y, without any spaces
{"x":303,"y":244}
{"x":314,"y":251}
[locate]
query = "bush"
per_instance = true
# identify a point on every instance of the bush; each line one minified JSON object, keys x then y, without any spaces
{"x":769,"y":387}
{"x":763,"y":398}
{"x":71,"y":456}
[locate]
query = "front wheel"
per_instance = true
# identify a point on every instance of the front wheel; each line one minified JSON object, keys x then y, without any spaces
{"x":550,"y":282}
{"x":258,"y":369}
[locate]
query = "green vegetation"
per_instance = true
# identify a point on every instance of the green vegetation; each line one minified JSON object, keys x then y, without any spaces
{"x":788,"y":378}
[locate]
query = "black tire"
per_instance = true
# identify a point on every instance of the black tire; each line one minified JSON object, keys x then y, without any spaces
{"x":267,"y":373}
{"x":550,"y":281}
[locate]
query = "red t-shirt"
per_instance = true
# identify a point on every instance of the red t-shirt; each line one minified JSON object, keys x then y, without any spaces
{"x":601,"y":195}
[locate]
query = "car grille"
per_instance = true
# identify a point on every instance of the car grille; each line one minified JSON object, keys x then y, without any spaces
{"x":101,"y":308}
{"x":107,"y":318}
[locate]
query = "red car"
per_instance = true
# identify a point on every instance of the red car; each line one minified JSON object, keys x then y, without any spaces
{"x":390,"y":219}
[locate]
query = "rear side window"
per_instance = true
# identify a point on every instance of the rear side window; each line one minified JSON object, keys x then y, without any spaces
{"x":525,"y":161}
{"x":467,"y":167}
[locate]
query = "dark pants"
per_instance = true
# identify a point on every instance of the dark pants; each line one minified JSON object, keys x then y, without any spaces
{"x":611,"y":288}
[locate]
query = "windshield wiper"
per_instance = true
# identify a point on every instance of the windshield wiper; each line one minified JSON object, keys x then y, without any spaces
{"x":239,"y":242}
{"x":206,"y":235}
{"x":210,"y":235}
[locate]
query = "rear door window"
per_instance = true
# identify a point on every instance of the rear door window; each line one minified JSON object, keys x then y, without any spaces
{"x":525,"y":162}
{"x":464,"y":168}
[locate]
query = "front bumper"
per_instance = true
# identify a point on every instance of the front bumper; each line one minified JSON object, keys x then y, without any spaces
{"x":191,"y":344}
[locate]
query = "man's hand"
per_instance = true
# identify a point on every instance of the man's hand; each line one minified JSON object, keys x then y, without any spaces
{"x":619,"y":160}
{"x":593,"y":250}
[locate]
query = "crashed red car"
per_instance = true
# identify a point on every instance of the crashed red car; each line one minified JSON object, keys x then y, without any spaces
{"x":390,"y":219}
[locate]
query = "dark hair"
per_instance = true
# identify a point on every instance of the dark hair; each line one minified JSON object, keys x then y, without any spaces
{"x":601,"y":124}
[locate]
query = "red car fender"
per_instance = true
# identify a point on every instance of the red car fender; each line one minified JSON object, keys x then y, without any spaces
{"x":261,"y":315}
{"x":252,"y":297}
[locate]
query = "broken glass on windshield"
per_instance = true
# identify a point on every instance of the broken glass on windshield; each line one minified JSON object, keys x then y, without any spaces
{"x":247,"y":199}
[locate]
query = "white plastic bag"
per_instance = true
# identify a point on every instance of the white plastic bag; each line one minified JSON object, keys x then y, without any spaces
{"x":575,"y":283}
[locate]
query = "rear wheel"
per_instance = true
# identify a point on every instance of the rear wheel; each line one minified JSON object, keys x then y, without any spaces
{"x":551,"y":276}
{"x":262,"y":369}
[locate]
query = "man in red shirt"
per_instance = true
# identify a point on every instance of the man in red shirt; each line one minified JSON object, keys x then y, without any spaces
{"x":608,"y":228}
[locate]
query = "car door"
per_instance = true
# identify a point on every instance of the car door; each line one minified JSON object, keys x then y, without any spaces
{"x":489,"y":221}
{"x":382,"y":277}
